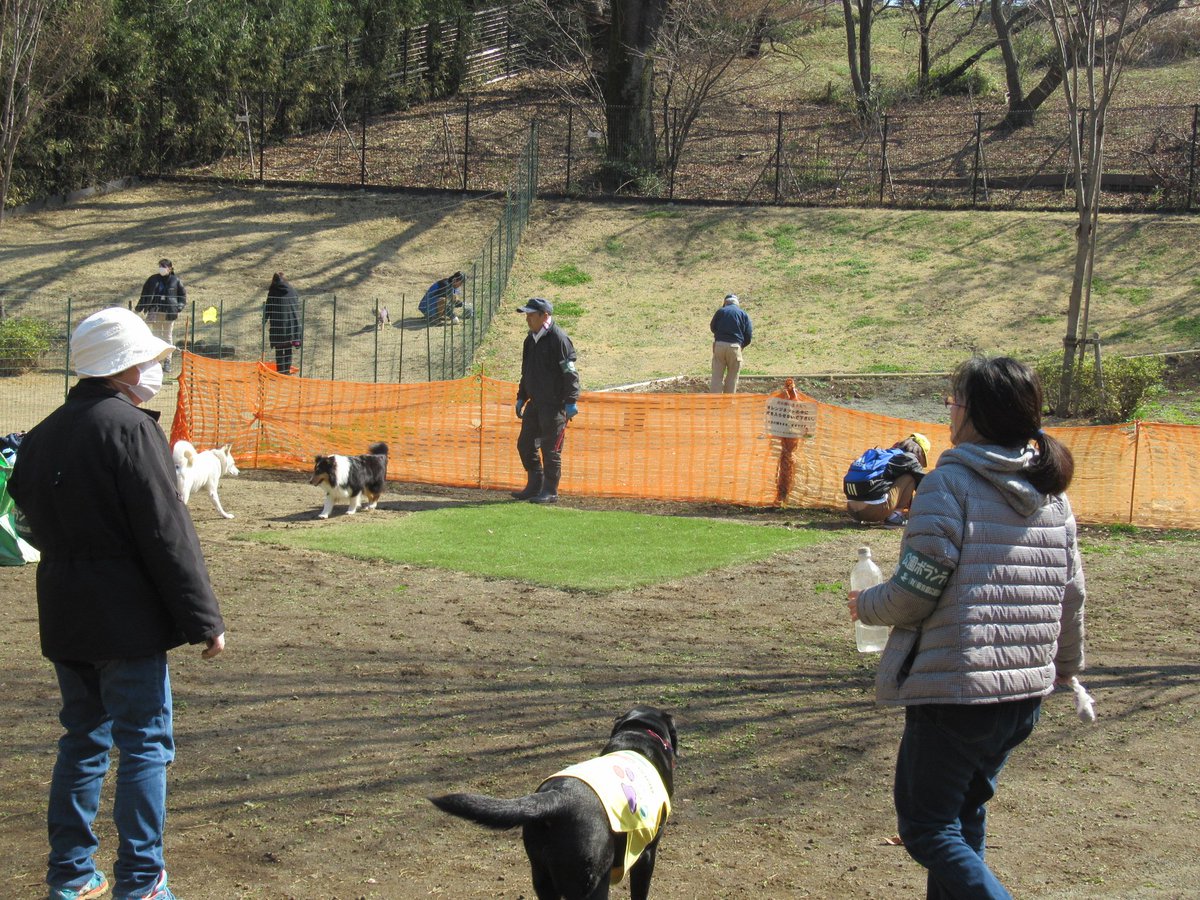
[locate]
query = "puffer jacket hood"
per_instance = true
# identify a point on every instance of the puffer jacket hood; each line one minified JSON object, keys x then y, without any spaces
{"x":1005,"y":469}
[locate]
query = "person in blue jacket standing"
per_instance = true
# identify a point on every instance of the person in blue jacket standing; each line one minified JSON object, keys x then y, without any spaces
{"x":732,"y":333}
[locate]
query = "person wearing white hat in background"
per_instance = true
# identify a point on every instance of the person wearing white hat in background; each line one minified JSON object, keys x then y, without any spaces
{"x":732,"y":333}
{"x":121,"y":581}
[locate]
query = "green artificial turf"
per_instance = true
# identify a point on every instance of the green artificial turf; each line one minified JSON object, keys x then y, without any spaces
{"x":555,"y":546}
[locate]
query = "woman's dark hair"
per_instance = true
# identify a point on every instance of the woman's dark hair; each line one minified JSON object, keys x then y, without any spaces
{"x":1003,"y":400}
{"x":277,"y":279}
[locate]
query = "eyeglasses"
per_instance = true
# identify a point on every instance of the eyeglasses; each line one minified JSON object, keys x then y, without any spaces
{"x":950,"y":401}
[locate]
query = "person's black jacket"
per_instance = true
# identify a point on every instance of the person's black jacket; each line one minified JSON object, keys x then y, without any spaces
{"x":164,"y":294}
{"x":548,"y":375}
{"x":121,"y":573}
{"x":282,"y":314}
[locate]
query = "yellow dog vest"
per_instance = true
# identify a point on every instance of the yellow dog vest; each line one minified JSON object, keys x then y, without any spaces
{"x":633,"y":795}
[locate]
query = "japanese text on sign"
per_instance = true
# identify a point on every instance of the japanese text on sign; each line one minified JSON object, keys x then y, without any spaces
{"x":790,"y":418}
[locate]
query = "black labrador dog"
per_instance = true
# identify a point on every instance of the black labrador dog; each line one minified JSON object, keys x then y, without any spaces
{"x":581,"y":833}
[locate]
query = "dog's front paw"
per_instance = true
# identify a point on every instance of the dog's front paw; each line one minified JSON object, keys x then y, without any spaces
{"x":322,"y":515}
{"x":227,"y":515}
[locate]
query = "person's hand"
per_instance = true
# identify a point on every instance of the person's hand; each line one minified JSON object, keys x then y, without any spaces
{"x":520,"y":407}
{"x":853,"y":604}
{"x":214,"y":646}
{"x":572,"y":411}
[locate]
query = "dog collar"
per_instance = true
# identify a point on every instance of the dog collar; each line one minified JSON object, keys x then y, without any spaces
{"x":666,"y":746}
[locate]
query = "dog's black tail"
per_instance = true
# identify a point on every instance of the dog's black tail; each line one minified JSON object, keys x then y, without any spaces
{"x":496,"y":813}
{"x":380,"y":449}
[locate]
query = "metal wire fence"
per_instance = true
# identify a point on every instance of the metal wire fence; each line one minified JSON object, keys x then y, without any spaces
{"x":804,"y":155}
{"x":381,"y":339}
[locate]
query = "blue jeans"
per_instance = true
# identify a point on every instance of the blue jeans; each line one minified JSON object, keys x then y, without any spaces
{"x":950,"y":758}
{"x":126,"y":702}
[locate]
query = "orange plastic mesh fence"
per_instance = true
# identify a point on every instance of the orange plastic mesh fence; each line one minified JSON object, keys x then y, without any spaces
{"x":694,"y":447}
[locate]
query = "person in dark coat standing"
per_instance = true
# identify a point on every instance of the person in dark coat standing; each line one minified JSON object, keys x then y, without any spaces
{"x":546,"y":401}
{"x":121,"y":581}
{"x":163,"y":299}
{"x":281,"y":312}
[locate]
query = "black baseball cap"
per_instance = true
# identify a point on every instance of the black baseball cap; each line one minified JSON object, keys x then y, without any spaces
{"x":537,"y":305}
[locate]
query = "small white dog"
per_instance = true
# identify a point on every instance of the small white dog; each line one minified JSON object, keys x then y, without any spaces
{"x":194,"y":470}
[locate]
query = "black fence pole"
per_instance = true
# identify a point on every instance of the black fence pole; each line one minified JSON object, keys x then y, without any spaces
{"x":570,"y":127}
{"x":778,"y":153}
{"x":362,"y":169}
{"x":378,"y":328}
{"x":333,"y":344}
{"x":883,"y":157}
{"x":303,"y":343}
{"x":159,"y":138}
{"x":466,"y":141}
{"x":1192,"y":163}
{"x":262,"y":131}
{"x":978,"y":151}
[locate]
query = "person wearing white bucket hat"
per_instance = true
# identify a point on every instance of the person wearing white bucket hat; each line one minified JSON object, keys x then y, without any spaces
{"x":121,"y":581}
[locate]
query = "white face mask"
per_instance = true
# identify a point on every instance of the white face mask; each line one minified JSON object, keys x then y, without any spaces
{"x":150,"y":380}
{"x":164,"y":271}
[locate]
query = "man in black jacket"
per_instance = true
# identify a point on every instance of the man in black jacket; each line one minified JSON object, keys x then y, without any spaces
{"x":121,"y":581}
{"x":546,"y":401}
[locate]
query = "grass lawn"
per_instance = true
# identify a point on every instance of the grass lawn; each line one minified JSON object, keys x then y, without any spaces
{"x":559,"y":547}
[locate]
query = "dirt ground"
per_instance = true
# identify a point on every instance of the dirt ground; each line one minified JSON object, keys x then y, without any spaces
{"x":352,"y":690}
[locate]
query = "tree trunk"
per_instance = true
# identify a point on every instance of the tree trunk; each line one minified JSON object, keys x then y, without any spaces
{"x":1083,"y":240}
{"x":629,"y":86}
{"x":856,"y":78}
{"x":1018,"y":115}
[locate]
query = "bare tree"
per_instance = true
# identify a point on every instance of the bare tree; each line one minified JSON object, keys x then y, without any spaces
{"x":859,"y":17}
{"x":701,"y":48}
{"x":1008,"y":17}
{"x":924,"y":14}
{"x":653,"y":91}
{"x":1094,"y":40}
{"x":44,"y":46}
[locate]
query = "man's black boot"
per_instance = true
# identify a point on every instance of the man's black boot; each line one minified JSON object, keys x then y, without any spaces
{"x":548,"y":493}
{"x":533,"y":487}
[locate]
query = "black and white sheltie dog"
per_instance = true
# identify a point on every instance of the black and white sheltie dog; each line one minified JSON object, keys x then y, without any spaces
{"x":351,"y":478}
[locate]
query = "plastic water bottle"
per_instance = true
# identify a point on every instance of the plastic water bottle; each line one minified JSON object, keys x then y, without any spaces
{"x":865,"y":574}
